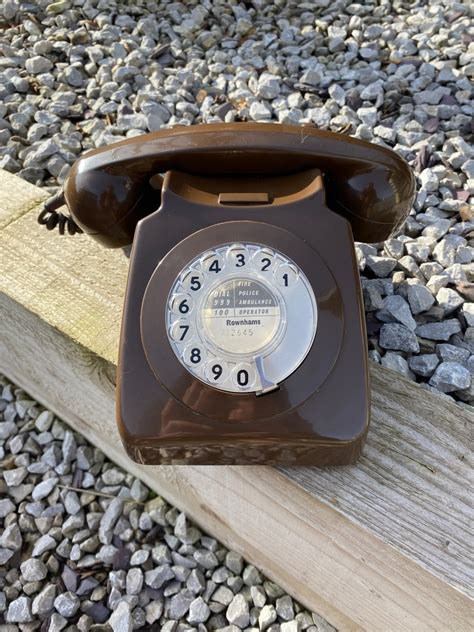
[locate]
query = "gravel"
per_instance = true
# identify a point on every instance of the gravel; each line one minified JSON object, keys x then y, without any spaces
{"x":199,"y":611}
{"x":420,"y":298}
{"x":33,"y":570}
{"x":450,"y":376}
{"x":77,"y":74}
{"x":19,"y":611}
{"x":439,"y":331}
{"x":396,"y":310}
{"x":124,"y":559}
{"x":67,"y":604}
{"x":395,"y":362}
{"x":238,"y":611}
{"x":424,"y":365}
{"x":267,"y":616}
{"x":399,"y":338}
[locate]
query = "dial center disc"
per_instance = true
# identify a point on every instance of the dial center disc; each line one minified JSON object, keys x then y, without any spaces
{"x":241,"y":315}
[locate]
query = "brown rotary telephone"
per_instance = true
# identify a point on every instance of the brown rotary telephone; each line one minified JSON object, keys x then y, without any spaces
{"x":243,"y":337}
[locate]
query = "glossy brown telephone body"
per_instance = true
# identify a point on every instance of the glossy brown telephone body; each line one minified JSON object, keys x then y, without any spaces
{"x":293,"y":190}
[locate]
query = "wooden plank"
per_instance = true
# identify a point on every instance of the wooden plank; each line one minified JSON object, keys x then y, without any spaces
{"x":22,"y":197}
{"x":413,"y":485}
{"x":349,"y":543}
{"x":316,"y":553}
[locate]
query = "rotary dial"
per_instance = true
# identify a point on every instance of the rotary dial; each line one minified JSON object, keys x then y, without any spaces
{"x":241,"y":317}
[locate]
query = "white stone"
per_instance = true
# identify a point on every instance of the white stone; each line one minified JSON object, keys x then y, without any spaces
{"x":19,"y":611}
{"x":449,"y":300}
{"x":33,"y":570}
{"x":368,"y":115}
{"x":267,"y":616}
{"x":198,"y":611}
{"x":67,"y":604}
{"x":468,"y":313}
{"x":238,"y":611}
{"x":121,"y":619}
{"x":385,"y":132}
{"x":260,"y":111}
{"x":37,"y":65}
{"x":450,"y":376}
{"x":269,"y":86}
{"x":437,"y":281}
{"x":337,"y":93}
{"x":429,"y":180}
{"x":311,"y":77}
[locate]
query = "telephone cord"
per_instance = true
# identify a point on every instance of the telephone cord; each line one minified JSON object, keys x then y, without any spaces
{"x":52,"y":218}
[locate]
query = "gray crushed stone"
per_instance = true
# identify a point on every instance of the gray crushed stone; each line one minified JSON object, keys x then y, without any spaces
{"x":124,"y":559}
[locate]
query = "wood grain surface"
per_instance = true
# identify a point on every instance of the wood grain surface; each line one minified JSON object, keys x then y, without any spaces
{"x":384,"y":545}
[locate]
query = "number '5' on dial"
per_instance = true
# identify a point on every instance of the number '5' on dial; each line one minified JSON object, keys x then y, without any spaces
{"x":193,"y":281}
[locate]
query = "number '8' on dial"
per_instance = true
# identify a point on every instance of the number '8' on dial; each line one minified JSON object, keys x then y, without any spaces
{"x":194,"y":355}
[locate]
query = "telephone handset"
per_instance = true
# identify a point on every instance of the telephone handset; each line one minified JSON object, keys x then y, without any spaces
{"x":243,"y":337}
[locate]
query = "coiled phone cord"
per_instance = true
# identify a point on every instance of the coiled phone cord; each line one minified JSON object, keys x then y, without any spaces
{"x":51,"y":218}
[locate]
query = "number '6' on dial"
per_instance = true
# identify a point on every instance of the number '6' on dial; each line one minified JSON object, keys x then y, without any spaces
{"x":182,"y":304}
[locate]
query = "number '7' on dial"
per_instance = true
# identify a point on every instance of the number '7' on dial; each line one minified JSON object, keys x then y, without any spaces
{"x":180,"y":330}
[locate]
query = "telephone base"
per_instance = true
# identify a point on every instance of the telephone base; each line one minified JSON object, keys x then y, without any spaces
{"x":283,"y":454}
{"x":230,"y":294}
